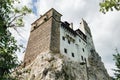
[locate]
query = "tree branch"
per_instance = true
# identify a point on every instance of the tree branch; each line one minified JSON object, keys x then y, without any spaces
{"x":13,"y":15}
{"x":14,"y":19}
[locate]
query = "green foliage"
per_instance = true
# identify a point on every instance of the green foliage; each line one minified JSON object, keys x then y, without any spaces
{"x":107,"y":5}
{"x":8,"y":59}
{"x":117,"y":64}
{"x":10,"y":17}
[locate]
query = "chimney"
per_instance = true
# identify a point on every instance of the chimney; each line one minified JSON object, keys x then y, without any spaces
{"x":71,"y":25}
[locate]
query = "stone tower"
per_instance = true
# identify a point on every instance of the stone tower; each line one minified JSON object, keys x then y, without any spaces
{"x":44,"y":35}
{"x":86,"y":30}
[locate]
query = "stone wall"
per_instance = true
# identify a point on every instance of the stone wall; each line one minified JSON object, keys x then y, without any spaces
{"x":44,"y":36}
{"x":39,"y":41}
{"x":55,"y":33}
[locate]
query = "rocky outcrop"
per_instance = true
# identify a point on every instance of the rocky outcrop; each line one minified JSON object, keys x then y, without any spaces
{"x":55,"y":66}
{"x":96,"y":69}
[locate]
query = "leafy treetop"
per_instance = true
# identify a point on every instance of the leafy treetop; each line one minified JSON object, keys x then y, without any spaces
{"x":107,"y":5}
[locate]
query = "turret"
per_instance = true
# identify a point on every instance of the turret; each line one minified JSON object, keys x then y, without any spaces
{"x":86,"y":30}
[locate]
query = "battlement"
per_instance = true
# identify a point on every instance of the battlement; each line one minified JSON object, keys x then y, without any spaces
{"x":43,"y":18}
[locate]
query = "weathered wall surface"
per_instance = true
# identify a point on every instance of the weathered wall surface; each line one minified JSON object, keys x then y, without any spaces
{"x":39,"y":41}
{"x":55,"y":32}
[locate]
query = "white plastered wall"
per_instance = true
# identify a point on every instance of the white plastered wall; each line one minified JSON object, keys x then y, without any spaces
{"x":74,"y":47}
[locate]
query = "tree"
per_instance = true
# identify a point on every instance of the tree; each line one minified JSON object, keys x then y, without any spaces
{"x":8,"y":59}
{"x":117,"y":64}
{"x":107,"y":5}
{"x":10,"y":17}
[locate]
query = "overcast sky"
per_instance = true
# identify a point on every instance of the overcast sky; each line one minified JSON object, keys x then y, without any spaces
{"x":105,"y":28}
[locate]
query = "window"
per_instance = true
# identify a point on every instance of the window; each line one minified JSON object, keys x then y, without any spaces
{"x":73,"y":55}
{"x":65,"y":50}
{"x":63,"y":38}
{"x":83,"y":49}
{"x":69,"y":41}
{"x":82,"y":57}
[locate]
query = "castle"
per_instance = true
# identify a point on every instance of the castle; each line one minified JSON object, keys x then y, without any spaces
{"x":49,"y":33}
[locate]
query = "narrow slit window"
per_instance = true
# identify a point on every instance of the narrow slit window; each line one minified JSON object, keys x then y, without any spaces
{"x":83,"y":49}
{"x":69,"y":41}
{"x":82,"y":57}
{"x":85,"y":59}
{"x":65,"y":50}
{"x":73,"y":55}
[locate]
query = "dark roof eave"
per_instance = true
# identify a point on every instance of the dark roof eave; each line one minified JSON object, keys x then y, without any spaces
{"x":68,"y":28}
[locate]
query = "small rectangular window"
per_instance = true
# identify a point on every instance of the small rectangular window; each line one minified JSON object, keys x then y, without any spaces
{"x":63,"y":38}
{"x":65,"y":50}
{"x":83,"y":49}
{"x":73,"y":55}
